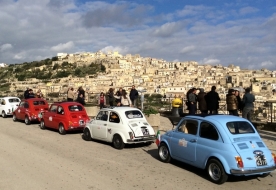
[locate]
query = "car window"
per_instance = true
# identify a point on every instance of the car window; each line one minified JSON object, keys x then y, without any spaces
{"x":3,"y":102}
{"x":208,"y":131}
{"x":53,"y":108}
{"x":239,"y":127}
{"x":60,"y":110}
{"x":22,"y":104}
{"x":114,"y":118}
{"x":26,"y":105}
{"x":133,"y":114}
{"x":13,"y":100}
{"x":102,"y":115}
{"x":188,"y":126}
{"x":74,"y":108}
{"x":39,"y":102}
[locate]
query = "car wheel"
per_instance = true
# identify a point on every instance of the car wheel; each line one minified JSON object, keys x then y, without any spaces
{"x":14,"y":117}
{"x":27,"y":120}
{"x":164,"y":153}
{"x":42,"y":124}
{"x":61,"y":129}
{"x":4,"y":115}
{"x":86,"y":134}
{"x":118,"y":142}
{"x":216,"y":172}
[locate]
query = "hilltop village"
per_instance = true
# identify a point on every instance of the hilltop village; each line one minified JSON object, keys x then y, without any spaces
{"x":152,"y":75}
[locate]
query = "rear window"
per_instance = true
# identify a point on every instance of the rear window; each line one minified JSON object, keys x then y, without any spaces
{"x":239,"y":127}
{"x":39,"y":102}
{"x":133,"y":114}
{"x":74,"y":108}
{"x":11,"y":100}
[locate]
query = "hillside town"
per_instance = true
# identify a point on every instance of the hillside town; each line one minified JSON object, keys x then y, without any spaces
{"x":170,"y":79}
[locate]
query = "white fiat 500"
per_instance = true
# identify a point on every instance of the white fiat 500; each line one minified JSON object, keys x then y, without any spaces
{"x":8,"y":105}
{"x":119,"y":125}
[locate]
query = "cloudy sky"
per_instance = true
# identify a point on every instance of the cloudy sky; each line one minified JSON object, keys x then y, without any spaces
{"x":239,"y":32}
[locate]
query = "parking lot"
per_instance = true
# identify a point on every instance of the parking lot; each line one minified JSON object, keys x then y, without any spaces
{"x":32,"y":158}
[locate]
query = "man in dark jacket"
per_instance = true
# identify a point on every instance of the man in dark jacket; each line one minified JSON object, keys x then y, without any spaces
{"x":248,"y":102}
{"x":133,"y":95}
{"x":26,"y":93}
{"x":212,"y":99}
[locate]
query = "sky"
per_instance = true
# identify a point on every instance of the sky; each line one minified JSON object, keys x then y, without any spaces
{"x":239,"y":32}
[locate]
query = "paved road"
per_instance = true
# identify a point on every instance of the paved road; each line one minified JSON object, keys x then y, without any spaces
{"x":31,"y":158}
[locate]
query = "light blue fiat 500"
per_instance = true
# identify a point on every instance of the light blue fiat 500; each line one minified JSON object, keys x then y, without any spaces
{"x":222,"y":144}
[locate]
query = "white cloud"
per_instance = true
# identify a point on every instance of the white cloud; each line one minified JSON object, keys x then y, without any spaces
{"x":248,"y":10}
{"x":62,"y":47}
{"x":5,"y":47}
{"x":188,"y":49}
{"x":210,"y":61}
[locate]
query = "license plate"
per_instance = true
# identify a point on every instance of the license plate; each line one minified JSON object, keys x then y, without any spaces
{"x":145,"y":131}
{"x":260,"y":160}
{"x":81,"y":122}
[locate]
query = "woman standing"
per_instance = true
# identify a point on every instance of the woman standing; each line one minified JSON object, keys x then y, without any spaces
{"x":102,"y":100}
{"x":202,"y":106}
{"x":81,"y":96}
{"x":70,"y":95}
{"x":232,"y":103}
{"x":125,"y":100}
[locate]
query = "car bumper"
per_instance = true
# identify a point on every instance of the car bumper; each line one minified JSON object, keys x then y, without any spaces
{"x":78,"y":128}
{"x":141,"y":140}
{"x":252,"y":171}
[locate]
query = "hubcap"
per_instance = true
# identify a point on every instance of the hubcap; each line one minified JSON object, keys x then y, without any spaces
{"x":13,"y":117}
{"x":163,"y":152}
{"x":214,"y":171}
{"x":3,"y":114}
{"x":61,"y":129}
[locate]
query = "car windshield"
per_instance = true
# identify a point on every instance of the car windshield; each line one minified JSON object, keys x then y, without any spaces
{"x":134,"y":114}
{"x":11,"y":100}
{"x":74,"y":108}
{"x":239,"y":127}
{"x":39,"y":102}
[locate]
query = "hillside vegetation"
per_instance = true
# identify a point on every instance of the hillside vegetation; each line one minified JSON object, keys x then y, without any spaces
{"x":44,"y":69}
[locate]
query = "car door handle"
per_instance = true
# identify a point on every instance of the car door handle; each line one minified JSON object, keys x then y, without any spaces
{"x":193,"y":140}
{"x":104,"y":124}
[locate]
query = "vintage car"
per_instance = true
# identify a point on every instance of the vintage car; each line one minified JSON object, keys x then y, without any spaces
{"x":29,"y":109}
{"x":120,"y":125}
{"x":8,"y":105}
{"x":64,"y":116}
{"x":222,"y":144}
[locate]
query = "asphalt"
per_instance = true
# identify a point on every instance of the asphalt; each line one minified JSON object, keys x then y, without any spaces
{"x":269,"y":137}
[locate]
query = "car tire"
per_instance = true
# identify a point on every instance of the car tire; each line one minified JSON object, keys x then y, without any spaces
{"x":61,"y":129}
{"x":118,"y":142}
{"x":4,"y":115}
{"x":27,"y":120}
{"x":14,"y":118}
{"x":164,"y":153}
{"x":216,"y":172}
{"x":86,"y":135}
{"x":42,"y":124}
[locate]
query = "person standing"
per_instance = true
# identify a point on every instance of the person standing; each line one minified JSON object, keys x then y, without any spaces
{"x":240,"y":104}
{"x":212,"y":99}
{"x":26,"y":93}
{"x":31,"y":94}
{"x":202,"y":106}
{"x":247,"y":101}
{"x":232,"y":103}
{"x":111,"y":96}
{"x":133,"y":95}
{"x":102,"y":100}
{"x":118,"y":96}
{"x":39,"y":94}
{"x":81,"y":96}
{"x":70,"y":95}
{"x":125,"y":100}
{"x":192,"y":99}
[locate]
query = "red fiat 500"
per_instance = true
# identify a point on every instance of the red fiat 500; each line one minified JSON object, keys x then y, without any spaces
{"x":29,"y":109}
{"x":64,"y":116}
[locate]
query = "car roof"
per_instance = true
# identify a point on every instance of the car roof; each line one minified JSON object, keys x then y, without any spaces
{"x":66,"y":103}
{"x":219,"y":118}
{"x":8,"y":97}
{"x":34,"y":99}
{"x":120,"y":109}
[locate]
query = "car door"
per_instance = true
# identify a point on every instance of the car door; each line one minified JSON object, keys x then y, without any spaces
{"x":184,"y":141}
{"x":21,"y":112}
{"x":49,"y":117}
{"x":99,"y":128}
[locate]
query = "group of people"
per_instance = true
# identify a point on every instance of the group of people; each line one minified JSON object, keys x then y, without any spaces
{"x":29,"y":93}
{"x":208,"y":103}
{"x":120,"y":98}
{"x":79,"y":96}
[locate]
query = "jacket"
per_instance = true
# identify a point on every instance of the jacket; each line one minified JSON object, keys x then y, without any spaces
{"x":232,"y":102}
{"x":133,"y":94}
{"x":212,"y":100}
{"x":125,"y":101}
{"x":248,"y":100}
{"x":201,"y":101}
{"x":70,"y":94}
